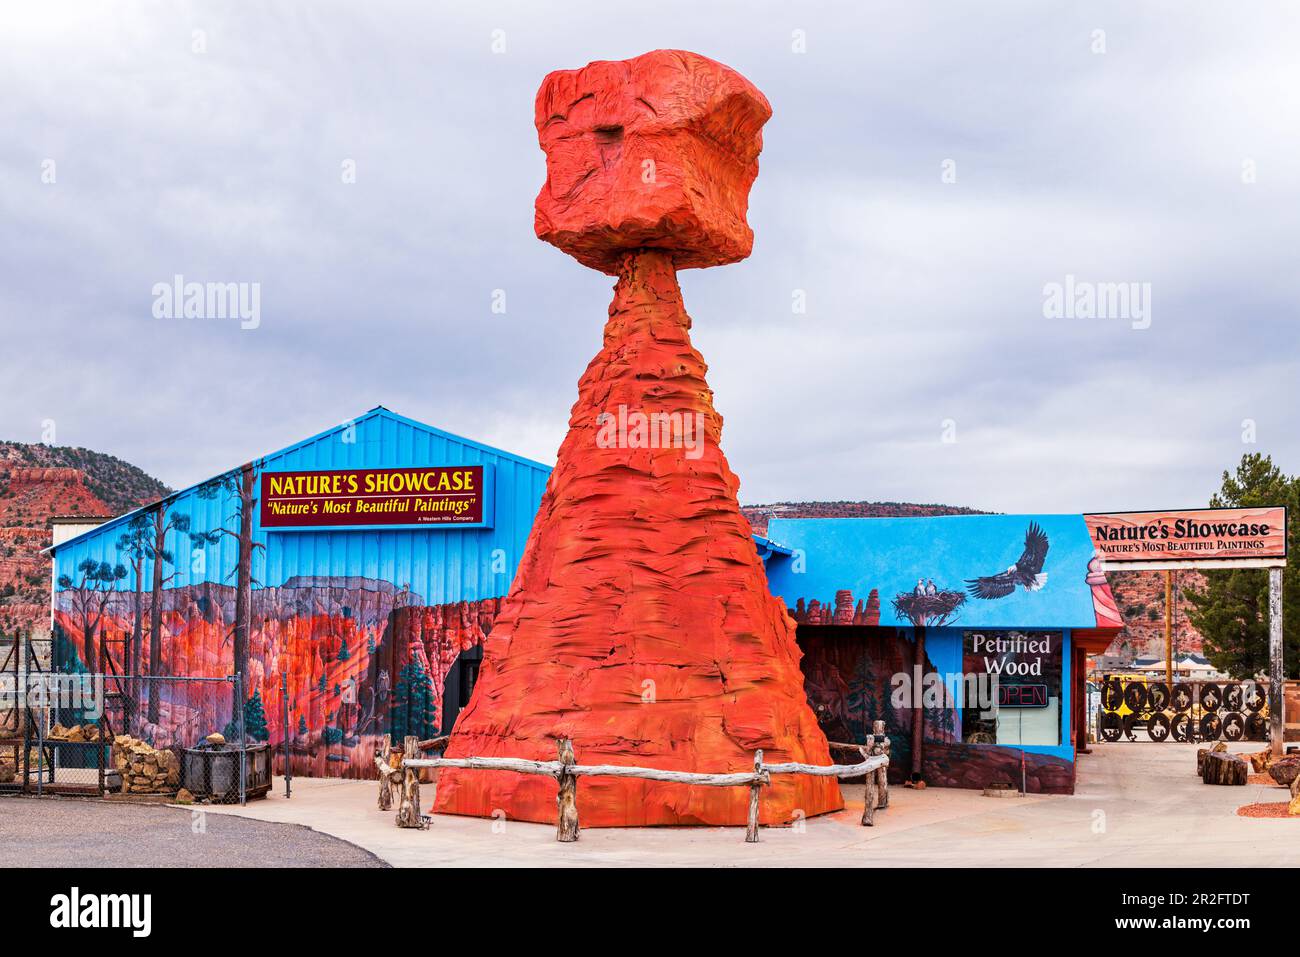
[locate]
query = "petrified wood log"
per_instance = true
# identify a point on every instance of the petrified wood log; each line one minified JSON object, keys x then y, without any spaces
{"x":1284,"y":771}
{"x":640,"y":625}
{"x":1202,"y":753}
{"x":1223,"y":768}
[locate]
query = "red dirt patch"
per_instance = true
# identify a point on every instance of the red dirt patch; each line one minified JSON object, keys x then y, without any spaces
{"x":1263,"y":778}
{"x":1270,"y":809}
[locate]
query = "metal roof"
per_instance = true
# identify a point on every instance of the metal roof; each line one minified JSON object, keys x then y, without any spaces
{"x":378,"y":411}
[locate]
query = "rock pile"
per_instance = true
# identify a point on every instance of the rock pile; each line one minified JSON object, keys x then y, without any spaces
{"x":145,"y":770}
{"x":10,"y":760}
{"x":76,"y":733}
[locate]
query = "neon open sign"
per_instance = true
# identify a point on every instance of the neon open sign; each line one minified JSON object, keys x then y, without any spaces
{"x":1022,"y":696}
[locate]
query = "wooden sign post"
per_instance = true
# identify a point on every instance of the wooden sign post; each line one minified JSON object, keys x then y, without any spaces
{"x":1204,"y":538}
{"x":1169,"y":631}
{"x":1276,"y":674}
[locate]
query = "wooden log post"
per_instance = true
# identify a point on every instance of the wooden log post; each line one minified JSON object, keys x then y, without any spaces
{"x":387,"y":774}
{"x":871,"y":791}
{"x":408,"y":811}
{"x":882,"y":774}
{"x":751,"y":829}
{"x":566,"y":800}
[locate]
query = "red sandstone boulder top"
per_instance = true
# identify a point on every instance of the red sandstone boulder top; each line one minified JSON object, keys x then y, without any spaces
{"x":654,"y":152}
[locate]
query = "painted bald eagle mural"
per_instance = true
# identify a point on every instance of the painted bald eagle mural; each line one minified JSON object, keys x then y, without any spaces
{"x":1027,"y":572}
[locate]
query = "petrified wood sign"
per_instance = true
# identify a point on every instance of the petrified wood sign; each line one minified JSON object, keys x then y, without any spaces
{"x":640,"y":624}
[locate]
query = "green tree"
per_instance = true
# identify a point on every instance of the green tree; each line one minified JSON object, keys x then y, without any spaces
{"x":255,"y":718}
{"x":414,"y":709}
{"x":1231,"y":611}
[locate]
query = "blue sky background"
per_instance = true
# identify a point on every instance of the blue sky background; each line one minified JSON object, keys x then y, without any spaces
{"x":924,"y":299}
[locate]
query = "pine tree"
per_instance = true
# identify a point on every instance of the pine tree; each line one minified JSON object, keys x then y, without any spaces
{"x":255,"y":718}
{"x":414,"y":708}
{"x":302,"y":725}
{"x":343,"y":654}
{"x":1231,"y":612}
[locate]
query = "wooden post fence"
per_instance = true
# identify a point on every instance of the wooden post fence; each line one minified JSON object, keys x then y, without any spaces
{"x":566,"y":772}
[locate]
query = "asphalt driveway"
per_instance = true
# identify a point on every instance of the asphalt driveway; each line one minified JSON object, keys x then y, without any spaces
{"x":76,"y":832}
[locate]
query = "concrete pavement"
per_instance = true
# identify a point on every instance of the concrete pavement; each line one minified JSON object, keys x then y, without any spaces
{"x":1138,"y":804}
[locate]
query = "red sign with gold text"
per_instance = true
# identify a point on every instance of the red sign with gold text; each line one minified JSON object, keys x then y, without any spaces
{"x":1191,"y":535}
{"x":369,"y":498}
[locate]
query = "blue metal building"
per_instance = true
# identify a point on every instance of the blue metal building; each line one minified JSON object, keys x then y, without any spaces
{"x":909,"y":620}
{"x":369,"y":622}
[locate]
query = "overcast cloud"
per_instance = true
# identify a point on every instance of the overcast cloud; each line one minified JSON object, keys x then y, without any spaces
{"x":924,"y":298}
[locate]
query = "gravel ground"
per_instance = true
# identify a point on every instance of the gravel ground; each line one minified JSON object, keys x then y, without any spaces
{"x":71,"y":832}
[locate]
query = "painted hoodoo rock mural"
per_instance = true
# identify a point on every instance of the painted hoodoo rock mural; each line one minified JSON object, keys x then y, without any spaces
{"x":640,"y":623}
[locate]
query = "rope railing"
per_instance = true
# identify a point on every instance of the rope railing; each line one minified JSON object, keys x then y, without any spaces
{"x":400,"y":782}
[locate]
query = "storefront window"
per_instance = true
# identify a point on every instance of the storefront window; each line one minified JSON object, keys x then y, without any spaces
{"x":1012,"y":692}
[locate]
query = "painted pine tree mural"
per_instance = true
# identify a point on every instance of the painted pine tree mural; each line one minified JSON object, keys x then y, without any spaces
{"x":414,"y":707}
{"x":255,"y":718}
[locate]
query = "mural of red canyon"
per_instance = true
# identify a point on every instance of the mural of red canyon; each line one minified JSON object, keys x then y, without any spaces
{"x":362,"y":659}
{"x":847,"y":674}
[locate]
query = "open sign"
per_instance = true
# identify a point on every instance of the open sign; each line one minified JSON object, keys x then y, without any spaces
{"x":1022,"y":696}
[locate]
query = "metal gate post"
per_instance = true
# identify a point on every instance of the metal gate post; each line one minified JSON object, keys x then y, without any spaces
{"x":40,"y":757}
{"x":26,"y":715}
{"x":284,"y":699}
{"x":243,"y":742}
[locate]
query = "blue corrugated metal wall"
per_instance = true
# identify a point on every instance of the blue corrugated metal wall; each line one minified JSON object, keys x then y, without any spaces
{"x":439,"y":564}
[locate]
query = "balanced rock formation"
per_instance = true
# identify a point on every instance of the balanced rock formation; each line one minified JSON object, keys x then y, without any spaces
{"x":640,"y":624}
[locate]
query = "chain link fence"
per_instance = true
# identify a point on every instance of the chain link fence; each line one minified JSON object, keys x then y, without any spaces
{"x":142,"y":736}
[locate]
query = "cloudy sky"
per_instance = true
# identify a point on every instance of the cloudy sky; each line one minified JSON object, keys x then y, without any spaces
{"x":929,"y":169}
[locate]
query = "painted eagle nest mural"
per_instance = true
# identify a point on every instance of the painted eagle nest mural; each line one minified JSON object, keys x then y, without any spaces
{"x":928,"y":607}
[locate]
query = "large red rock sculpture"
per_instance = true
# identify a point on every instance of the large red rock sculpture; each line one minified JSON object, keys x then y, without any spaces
{"x":640,"y":624}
